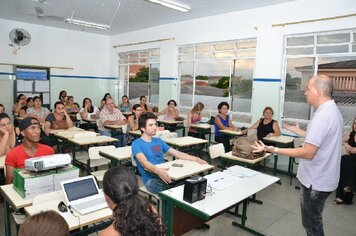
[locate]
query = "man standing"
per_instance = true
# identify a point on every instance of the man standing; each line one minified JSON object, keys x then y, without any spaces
{"x":109,"y":115}
{"x":148,"y":151}
{"x":319,"y":167}
{"x":30,"y":147}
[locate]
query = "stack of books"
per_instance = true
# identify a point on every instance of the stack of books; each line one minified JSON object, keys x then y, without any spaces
{"x":30,"y":184}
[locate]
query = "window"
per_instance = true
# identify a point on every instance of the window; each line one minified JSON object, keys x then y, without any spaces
{"x":331,"y":54}
{"x":139,"y":75}
{"x":215,"y":72}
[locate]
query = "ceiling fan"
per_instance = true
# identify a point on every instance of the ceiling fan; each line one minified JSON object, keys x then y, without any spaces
{"x":42,"y":1}
{"x":42,"y":16}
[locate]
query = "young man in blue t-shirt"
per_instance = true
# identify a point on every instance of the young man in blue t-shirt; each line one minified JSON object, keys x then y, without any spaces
{"x":149,"y":151}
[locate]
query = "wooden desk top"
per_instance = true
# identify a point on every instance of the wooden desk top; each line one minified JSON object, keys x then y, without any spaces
{"x":201,"y":126}
{"x":231,"y":157}
{"x":188,"y":169}
{"x":72,"y":129}
{"x":185,"y":141}
{"x":75,"y":220}
{"x":279,"y":139}
{"x":89,"y":120}
{"x":221,"y":200}
{"x":68,"y":134}
{"x":2,"y":162}
{"x":120,"y":154}
{"x":136,"y":133}
{"x":170,"y":122}
{"x":92,"y":140}
{"x":231,"y":132}
{"x":14,"y":199}
{"x":113,"y":127}
{"x":127,"y":113}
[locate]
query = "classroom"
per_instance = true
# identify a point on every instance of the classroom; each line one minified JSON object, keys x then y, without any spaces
{"x":212,"y":72}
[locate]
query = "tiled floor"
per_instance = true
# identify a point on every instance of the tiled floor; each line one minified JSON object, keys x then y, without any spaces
{"x":278,"y":215}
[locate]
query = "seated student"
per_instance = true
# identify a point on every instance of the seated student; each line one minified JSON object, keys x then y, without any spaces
{"x":194,"y":117}
{"x":133,"y":120}
{"x":59,"y":119}
{"x":102,"y":104}
{"x":148,"y":151}
{"x":29,"y":102}
{"x":266,"y":126}
{"x":63,"y":96}
{"x":171,"y":112}
{"x":30,"y":147}
{"x":133,"y":214}
{"x":2,"y":108}
{"x":37,"y":110}
{"x":8,"y":137}
{"x":125,"y":105}
{"x":223,"y":121}
{"x":145,"y":107}
{"x":44,"y":224}
{"x":110,"y":115}
{"x":347,"y":182}
{"x":88,"y":111}
{"x":20,"y":102}
{"x":72,"y":108}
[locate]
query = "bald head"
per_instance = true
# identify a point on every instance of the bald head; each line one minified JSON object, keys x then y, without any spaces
{"x":324,"y":84}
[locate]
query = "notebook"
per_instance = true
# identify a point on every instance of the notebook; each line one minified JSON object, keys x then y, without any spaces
{"x":83,"y":195}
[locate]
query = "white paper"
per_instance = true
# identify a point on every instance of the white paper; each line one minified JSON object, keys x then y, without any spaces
{"x":241,"y":171}
{"x":24,"y":85}
{"x":41,"y":86}
{"x":221,"y":180}
{"x":45,"y":98}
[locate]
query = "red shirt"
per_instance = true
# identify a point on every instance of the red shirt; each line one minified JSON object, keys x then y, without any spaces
{"x":17,"y":156}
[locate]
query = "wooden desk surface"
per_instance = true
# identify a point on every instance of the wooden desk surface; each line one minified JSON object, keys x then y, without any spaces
{"x":170,"y":122}
{"x":115,"y":127}
{"x":201,"y":126}
{"x":229,"y":155}
{"x":231,"y":132}
{"x":68,"y":134}
{"x":72,"y":129}
{"x":188,"y":169}
{"x":279,"y":139}
{"x":92,"y":140}
{"x":14,"y":199}
{"x":120,"y":154}
{"x":222,"y":200}
{"x":74,"y":222}
{"x":89,"y":120}
{"x":185,"y":141}
{"x":136,"y":133}
{"x":2,"y":162}
{"x":127,"y":113}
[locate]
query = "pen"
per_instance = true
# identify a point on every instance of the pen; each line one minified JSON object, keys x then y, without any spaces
{"x":218,"y":179}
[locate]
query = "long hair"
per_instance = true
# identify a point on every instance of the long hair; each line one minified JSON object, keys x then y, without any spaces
{"x":91,"y":109}
{"x":198,"y":107}
{"x":134,"y":109}
{"x":133,"y":214}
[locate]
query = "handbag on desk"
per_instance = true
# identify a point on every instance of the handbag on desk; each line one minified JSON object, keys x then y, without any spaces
{"x":242,"y":148}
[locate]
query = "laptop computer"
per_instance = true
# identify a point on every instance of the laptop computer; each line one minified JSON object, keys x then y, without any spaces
{"x":83,"y":195}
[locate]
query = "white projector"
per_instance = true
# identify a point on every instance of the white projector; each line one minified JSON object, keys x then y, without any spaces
{"x":47,"y":162}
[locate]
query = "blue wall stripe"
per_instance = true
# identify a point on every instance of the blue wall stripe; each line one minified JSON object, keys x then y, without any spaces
{"x":81,"y":77}
{"x":266,"y":80}
{"x":167,"y":78}
{"x":6,"y":73}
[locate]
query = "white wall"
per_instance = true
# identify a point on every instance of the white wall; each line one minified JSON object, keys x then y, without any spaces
{"x":240,"y":25}
{"x":87,"y":54}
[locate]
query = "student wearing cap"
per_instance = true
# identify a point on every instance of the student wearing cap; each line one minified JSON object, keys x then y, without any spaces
{"x":30,"y":147}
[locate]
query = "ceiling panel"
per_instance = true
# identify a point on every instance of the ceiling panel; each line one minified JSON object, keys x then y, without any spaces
{"x":132,"y":14}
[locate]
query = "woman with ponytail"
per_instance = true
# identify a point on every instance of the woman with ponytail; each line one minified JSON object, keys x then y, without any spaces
{"x":133,"y":214}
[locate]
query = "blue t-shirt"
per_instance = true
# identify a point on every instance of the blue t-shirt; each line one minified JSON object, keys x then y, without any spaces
{"x":224,"y":122}
{"x":153,"y":151}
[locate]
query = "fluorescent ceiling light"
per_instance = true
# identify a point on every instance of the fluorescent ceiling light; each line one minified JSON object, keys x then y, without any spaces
{"x":87,"y":24}
{"x":172,"y":4}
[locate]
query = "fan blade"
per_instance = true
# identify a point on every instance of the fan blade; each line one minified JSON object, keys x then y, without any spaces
{"x":39,"y":12}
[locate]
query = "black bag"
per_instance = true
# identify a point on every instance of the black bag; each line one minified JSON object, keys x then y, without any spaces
{"x":212,"y":120}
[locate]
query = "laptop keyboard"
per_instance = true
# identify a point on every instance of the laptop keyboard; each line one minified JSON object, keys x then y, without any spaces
{"x":89,"y":204}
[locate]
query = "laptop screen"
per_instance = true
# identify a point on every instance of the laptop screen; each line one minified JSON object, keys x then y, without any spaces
{"x":80,"y":189}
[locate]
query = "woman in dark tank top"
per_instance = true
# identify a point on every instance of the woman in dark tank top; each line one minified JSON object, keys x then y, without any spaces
{"x":266,"y":126}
